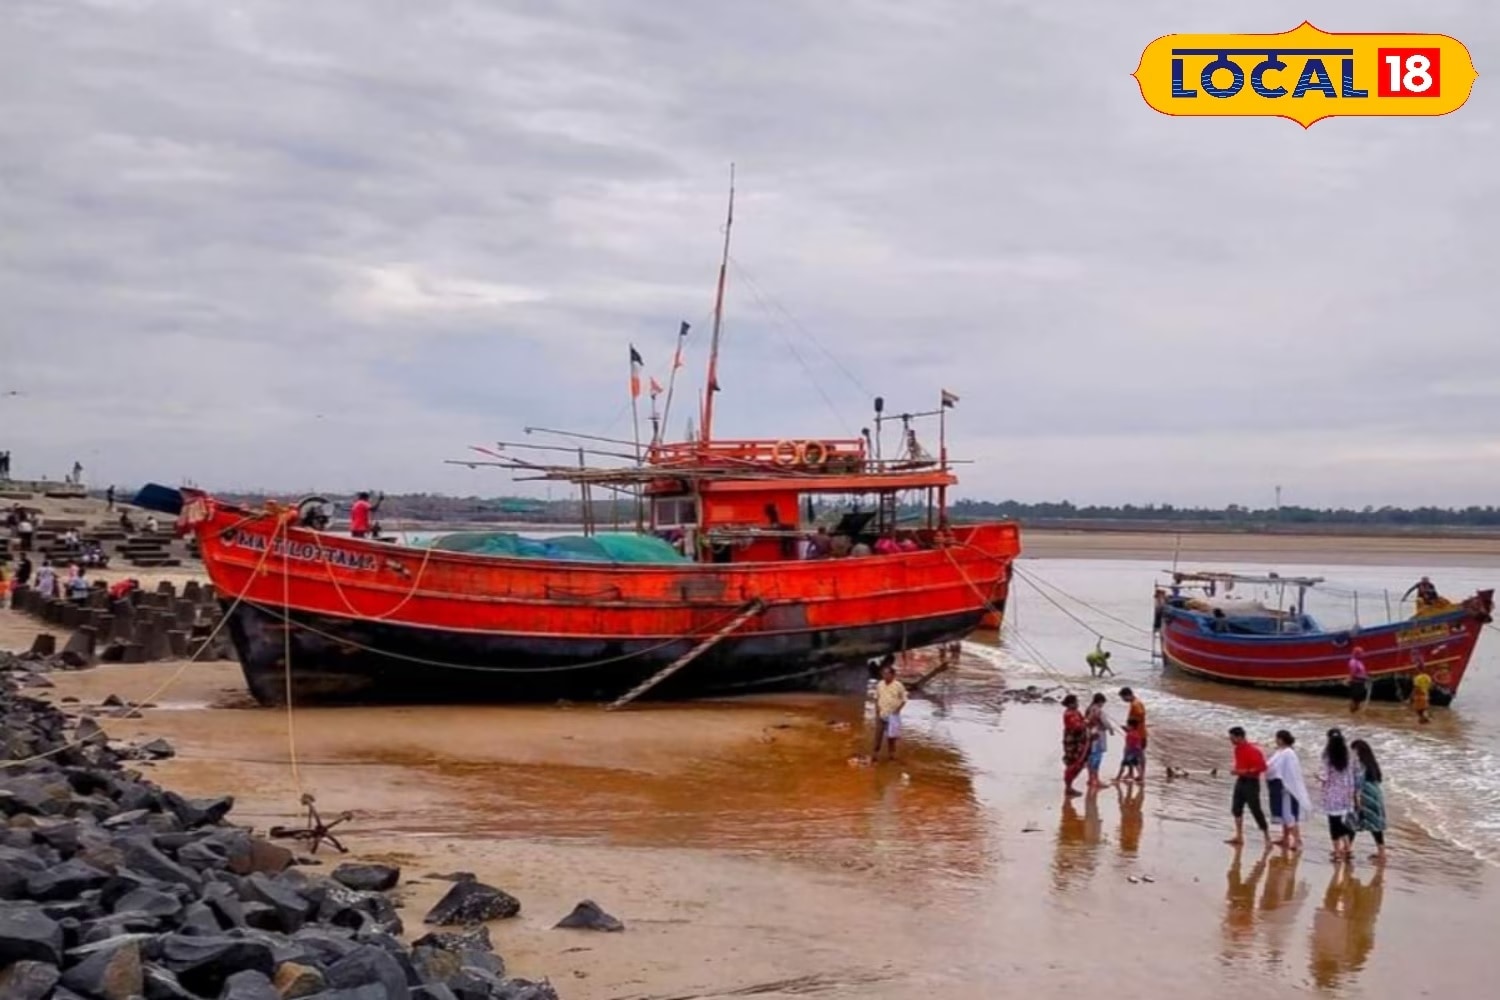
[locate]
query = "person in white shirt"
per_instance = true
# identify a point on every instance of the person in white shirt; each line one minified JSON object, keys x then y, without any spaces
{"x":890,"y":699}
{"x":1288,"y":792}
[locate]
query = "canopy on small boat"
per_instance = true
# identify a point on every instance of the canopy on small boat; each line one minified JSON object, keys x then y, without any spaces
{"x":608,"y":548}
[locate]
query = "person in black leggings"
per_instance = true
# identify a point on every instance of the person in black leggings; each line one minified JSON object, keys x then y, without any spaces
{"x":1249,"y":765}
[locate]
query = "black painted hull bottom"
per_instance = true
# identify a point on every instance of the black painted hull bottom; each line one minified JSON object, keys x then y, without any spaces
{"x":358,"y":660}
{"x":1386,"y":689}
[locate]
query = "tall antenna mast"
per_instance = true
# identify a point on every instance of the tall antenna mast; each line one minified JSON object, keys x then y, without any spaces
{"x":706,"y":431}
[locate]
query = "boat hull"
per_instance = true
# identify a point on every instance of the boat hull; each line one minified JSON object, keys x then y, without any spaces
{"x":340,"y":659}
{"x":368,"y":620}
{"x":1317,"y":663}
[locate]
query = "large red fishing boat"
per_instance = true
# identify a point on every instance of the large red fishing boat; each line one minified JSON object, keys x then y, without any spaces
{"x":1209,"y":632}
{"x":727,"y":586}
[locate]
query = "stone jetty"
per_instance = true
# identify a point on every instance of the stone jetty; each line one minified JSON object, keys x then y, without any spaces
{"x":113,"y":888}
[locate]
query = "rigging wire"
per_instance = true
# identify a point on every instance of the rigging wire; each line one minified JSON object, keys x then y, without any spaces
{"x":1093,"y":631}
{"x":754,"y":285}
{"x":806,"y":368}
{"x":1034,"y":579}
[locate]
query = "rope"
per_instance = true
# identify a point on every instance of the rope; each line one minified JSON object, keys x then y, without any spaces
{"x":286,"y":654}
{"x":154,"y":695}
{"x":283,"y":616}
{"x":1034,"y":579}
{"x":1095,"y":632}
{"x":990,"y":607}
{"x":410,"y":593}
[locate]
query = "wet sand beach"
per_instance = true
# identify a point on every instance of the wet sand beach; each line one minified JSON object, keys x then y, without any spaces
{"x":746,"y":854}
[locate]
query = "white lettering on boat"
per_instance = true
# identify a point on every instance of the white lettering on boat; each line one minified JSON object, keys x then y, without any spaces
{"x":303,"y":551}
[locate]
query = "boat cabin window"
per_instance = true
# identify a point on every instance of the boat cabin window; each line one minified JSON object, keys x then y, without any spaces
{"x":677,"y":512}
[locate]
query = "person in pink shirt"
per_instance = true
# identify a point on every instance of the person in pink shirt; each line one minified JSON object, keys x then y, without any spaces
{"x":1359,"y":680}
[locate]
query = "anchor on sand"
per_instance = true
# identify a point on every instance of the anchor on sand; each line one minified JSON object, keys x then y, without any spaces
{"x":316,"y":831}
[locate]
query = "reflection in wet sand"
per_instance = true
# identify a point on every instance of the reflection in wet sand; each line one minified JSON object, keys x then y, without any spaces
{"x":1273,"y":918}
{"x":787,"y":795}
{"x":1078,"y":837}
{"x":1132,"y":802}
{"x":1344,"y":928}
{"x":1280,"y":904}
{"x":1239,"y":895}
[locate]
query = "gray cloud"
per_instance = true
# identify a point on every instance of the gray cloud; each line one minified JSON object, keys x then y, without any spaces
{"x":328,"y":245}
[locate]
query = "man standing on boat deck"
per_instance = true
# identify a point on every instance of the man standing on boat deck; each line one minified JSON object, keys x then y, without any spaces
{"x":890,"y":699}
{"x":1359,"y":680}
{"x":359,"y":516}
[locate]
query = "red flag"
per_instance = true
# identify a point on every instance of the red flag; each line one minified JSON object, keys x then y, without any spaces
{"x":635,"y":372}
{"x":655,"y":386}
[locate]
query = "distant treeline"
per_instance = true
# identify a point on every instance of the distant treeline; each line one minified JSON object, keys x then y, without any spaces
{"x":437,"y":508}
{"x":1232,"y":515}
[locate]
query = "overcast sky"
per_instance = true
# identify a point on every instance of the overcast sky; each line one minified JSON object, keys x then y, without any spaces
{"x":327,"y":245}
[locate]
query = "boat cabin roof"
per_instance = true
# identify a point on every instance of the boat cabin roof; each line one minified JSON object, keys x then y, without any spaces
{"x":836,"y":465}
{"x":1270,"y":579}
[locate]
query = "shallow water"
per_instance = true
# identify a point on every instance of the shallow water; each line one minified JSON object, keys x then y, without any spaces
{"x":1442,"y":776}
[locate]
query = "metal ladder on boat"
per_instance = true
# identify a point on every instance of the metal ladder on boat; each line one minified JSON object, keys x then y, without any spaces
{"x":750,"y":610}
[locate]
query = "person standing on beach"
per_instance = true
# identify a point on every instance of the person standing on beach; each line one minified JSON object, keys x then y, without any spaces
{"x":46,"y":579}
{"x":1133,"y":760}
{"x":1287,"y":791}
{"x":1136,"y":713}
{"x":1340,"y":795}
{"x":1075,"y":743}
{"x":1370,"y":796}
{"x":109,"y":499}
{"x":1359,"y":680}
{"x":890,"y":699}
{"x":1099,"y":729}
{"x":1249,"y":765}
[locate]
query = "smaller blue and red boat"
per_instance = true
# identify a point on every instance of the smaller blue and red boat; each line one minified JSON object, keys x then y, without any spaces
{"x":1208,"y":632}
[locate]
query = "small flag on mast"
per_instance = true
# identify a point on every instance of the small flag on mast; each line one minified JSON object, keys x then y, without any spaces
{"x":656,"y":389}
{"x":635,"y":372}
{"x":949,"y":398}
{"x":681,"y":336}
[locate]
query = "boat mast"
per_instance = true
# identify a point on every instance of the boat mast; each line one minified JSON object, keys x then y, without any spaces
{"x":706,"y":431}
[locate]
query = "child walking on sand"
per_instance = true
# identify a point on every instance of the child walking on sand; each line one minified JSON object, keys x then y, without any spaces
{"x":1133,"y":763}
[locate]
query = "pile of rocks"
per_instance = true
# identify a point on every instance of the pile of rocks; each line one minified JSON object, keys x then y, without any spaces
{"x":112,"y":888}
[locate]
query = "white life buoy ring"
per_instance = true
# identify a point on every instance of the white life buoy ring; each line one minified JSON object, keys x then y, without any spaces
{"x":805,"y":453}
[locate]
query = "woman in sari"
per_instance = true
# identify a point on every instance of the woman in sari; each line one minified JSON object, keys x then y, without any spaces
{"x":1077,"y":742}
{"x":1371,"y":795}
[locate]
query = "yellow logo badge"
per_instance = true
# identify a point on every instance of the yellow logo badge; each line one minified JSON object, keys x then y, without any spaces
{"x":1306,"y":75}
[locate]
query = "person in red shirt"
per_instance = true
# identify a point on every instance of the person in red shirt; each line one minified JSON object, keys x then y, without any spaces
{"x":1249,"y":765}
{"x":359,"y":516}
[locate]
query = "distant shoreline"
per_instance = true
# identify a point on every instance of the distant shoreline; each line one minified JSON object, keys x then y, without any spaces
{"x":1186,"y":548}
